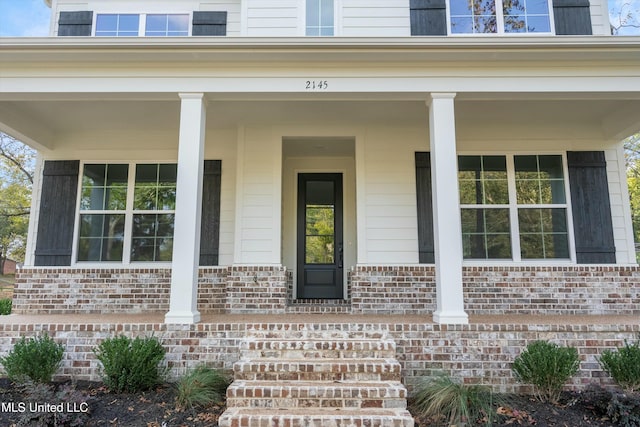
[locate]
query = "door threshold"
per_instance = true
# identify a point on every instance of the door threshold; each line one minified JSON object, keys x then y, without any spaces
{"x":313,"y":305}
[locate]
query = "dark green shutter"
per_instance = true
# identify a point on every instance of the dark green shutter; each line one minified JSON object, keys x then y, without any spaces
{"x":77,"y":24}
{"x":209,"y":24}
{"x":210,"y":224}
{"x":428,"y":17}
{"x":572,"y":17}
{"x":57,"y":213}
{"x":593,"y":228}
{"x":425,"y":208}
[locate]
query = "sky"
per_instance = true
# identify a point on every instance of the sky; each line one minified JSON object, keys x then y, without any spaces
{"x":30,"y":18}
{"x":24,"y":18}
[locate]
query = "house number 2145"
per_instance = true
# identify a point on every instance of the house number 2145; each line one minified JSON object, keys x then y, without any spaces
{"x":316,"y":85}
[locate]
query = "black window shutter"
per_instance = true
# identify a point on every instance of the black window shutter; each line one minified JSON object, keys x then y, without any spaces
{"x":428,"y":17}
{"x":75,"y":23}
{"x":209,"y":24}
{"x":593,"y":228}
{"x":210,"y":224}
{"x":572,"y":17}
{"x":57,"y":213}
{"x":425,"y":208}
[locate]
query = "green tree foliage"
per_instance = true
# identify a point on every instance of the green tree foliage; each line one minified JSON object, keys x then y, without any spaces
{"x":632,"y":154}
{"x":17,"y":162}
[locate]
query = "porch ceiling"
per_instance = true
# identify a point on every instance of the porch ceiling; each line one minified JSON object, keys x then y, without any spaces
{"x":46,"y":123}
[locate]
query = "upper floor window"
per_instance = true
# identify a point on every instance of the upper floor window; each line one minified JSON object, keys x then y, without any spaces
{"x":117,"y":25}
{"x":320,"y":18}
{"x":130,"y":25}
{"x":167,"y":25}
{"x":499,"y":16}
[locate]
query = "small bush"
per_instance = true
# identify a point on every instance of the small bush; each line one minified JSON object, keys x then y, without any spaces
{"x":36,"y":359}
{"x":441,"y":397}
{"x":202,"y":386}
{"x":624,"y":409}
{"x":131,"y":365}
{"x":547,"y":367}
{"x":623,"y":365}
{"x":5,"y":306}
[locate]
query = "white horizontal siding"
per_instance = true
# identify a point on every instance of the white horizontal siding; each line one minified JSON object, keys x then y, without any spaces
{"x":390,"y":201}
{"x":600,"y":17}
{"x":258,"y":234}
{"x":381,"y":18}
{"x":619,"y":207}
{"x":273,"y":18}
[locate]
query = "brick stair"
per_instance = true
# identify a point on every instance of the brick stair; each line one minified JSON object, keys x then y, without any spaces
{"x":316,"y":379}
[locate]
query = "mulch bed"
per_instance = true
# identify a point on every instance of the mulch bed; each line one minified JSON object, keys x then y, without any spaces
{"x":91,"y":404}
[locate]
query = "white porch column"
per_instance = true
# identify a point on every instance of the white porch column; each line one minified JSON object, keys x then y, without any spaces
{"x":446,"y":210}
{"x":186,"y":238}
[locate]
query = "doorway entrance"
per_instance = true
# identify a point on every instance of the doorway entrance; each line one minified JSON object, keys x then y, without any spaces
{"x":320,"y":249}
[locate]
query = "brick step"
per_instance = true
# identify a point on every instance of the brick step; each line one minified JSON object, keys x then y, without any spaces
{"x":329,"y":369}
{"x":299,"y":348}
{"x":306,"y":394}
{"x":322,"y":332}
{"x":315,"y":417}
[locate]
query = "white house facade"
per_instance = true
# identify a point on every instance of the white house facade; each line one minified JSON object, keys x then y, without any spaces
{"x":380,"y":157}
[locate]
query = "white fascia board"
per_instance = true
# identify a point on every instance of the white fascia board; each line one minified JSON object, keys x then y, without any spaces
{"x":105,"y":49}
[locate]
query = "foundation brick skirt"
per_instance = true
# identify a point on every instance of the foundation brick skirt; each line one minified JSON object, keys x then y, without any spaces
{"x":567,"y":290}
{"x":478,"y":352}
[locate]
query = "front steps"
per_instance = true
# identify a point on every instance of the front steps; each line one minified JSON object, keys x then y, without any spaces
{"x":316,"y":379}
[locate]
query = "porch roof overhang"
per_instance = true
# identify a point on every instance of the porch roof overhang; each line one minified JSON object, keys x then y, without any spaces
{"x":58,"y":69}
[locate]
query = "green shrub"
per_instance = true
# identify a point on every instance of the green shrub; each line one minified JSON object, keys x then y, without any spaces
{"x":547,"y":367}
{"x":5,"y":306}
{"x":131,"y":365}
{"x":441,"y":397}
{"x":35,"y":359}
{"x":201,"y":386}
{"x":623,"y":365}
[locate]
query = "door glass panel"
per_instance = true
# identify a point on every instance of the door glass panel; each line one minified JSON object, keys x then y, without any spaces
{"x":320,"y":223}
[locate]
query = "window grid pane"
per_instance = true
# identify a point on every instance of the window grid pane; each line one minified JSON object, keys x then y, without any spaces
{"x":319,"y":18}
{"x":484,"y":16}
{"x":164,"y":25}
{"x":535,"y":216}
{"x":117,"y":25}
{"x":104,"y":212}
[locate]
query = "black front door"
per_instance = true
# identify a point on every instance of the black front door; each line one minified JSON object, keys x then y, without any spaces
{"x":319,"y":233}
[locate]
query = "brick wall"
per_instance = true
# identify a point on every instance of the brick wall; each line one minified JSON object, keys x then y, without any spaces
{"x":256,"y":289}
{"x":374,"y":290}
{"x":477,"y":353}
{"x":501,"y":290}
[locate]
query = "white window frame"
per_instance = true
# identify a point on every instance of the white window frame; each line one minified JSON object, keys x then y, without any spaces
{"x":142,"y":22}
{"x":128,"y":220}
{"x":500,"y":23}
{"x":337,"y":16}
{"x":513,"y":207}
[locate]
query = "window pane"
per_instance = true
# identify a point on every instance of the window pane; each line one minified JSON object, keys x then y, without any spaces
{"x":104,"y":187}
{"x":526,"y":16}
{"x":543,"y":233}
{"x":539,"y":180}
{"x":106,"y":25}
{"x":473,"y":16}
{"x":129,"y":23}
{"x":152,"y":237}
{"x":101,"y":237}
{"x":156,"y":23}
{"x":326,"y":13}
{"x":486,"y":233}
{"x":483,"y":180}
